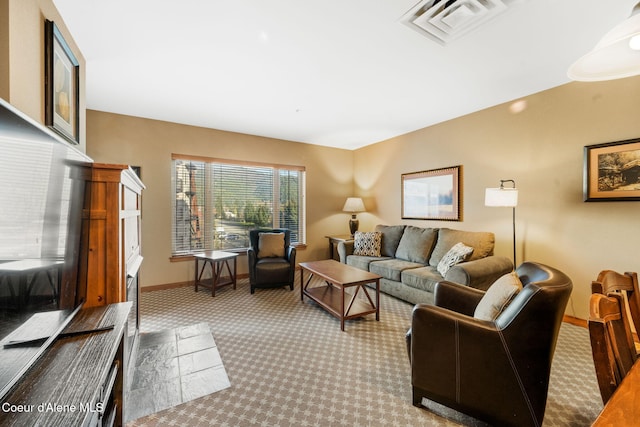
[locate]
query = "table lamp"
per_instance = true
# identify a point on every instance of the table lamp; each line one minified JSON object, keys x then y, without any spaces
{"x":353,"y":205}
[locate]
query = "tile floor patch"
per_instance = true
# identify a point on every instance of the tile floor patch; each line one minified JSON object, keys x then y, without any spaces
{"x":174,"y":366}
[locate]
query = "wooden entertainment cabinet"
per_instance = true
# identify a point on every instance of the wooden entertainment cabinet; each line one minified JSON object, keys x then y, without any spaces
{"x":79,"y":380}
{"x":83,"y":379}
{"x":114,"y":254}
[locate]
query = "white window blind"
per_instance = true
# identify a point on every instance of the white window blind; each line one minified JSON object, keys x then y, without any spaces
{"x":217,"y":202}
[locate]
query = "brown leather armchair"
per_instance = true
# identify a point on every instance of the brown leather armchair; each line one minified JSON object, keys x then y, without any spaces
{"x":498,"y":371}
{"x":271,"y":272}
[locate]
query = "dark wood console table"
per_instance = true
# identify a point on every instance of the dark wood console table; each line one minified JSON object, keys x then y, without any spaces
{"x":79,"y":380}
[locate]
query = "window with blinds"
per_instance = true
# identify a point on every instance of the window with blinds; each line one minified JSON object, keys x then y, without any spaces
{"x":217,"y":202}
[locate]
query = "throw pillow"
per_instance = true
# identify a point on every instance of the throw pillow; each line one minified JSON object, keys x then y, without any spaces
{"x":367,"y":243}
{"x":416,"y":244}
{"x":498,"y":297}
{"x":458,"y":253}
{"x":390,"y":235}
{"x":270,"y":245}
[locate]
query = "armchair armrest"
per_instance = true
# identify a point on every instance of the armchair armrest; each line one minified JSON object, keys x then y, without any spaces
{"x":290,"y":254}
{"x":251,"y":260}
{"x":435,"y":337}
{"x":457,"y":297}
{"x":480,"y":273}
{"x":345,"y":249}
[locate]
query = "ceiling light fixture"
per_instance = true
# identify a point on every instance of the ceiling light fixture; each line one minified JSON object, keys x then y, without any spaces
{"x":616,"y":55}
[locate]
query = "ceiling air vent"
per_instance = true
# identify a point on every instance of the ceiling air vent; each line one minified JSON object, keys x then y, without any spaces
{"x":444,"y":21}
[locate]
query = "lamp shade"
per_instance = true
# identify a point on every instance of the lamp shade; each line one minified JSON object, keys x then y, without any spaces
{"x":616,"y":55}
{"x":507,"y":197}
{"x":354,"y":204}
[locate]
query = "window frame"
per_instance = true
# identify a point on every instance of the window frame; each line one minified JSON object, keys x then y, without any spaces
{"x":207,"y":183}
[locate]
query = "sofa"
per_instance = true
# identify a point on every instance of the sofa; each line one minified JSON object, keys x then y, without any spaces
{"x":408,"y":259}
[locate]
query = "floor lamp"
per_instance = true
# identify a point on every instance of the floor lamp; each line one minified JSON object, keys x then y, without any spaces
{"x":504,"y":197}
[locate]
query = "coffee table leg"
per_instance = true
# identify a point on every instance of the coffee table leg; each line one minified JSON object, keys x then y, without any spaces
{"x":342,"y":310}
{"x":378,"y":299}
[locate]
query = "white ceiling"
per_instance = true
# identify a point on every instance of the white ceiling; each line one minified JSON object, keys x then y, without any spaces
{"x":340,"y":73}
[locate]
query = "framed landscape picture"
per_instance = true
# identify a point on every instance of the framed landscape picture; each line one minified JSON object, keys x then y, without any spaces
{"x":62,"y":80}
{"x":612,"y":171}
{"x":432,"y":194}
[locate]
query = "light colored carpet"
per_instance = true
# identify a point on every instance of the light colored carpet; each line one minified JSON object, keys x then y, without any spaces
{"x":290,"y":365}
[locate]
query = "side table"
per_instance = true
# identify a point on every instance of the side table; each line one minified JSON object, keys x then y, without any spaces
{"x":218,"y":260}
{"x":334,"y":240}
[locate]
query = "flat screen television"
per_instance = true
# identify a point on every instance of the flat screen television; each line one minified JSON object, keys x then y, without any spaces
{"x":42,"y":195}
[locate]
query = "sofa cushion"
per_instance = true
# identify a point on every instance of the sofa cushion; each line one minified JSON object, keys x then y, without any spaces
{"x":271,"y":245}
{"x":392,"y":268}
{"x":416,"y":244}
{"x":391,"y":235}
{"x":498,"y":296}
{"x":367,"y":244}
{"x":458,"y":253}
{"x":481,"y":242}
{"x":423,"y":278}
{"x":362,"y":262}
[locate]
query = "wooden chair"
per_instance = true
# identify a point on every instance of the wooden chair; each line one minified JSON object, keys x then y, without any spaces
{"x":614,"y":351}
{"x":609,"y":281}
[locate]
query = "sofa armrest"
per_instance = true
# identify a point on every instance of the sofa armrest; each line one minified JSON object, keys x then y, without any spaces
{"x":454,"y":296}
{"x":345,"y":249}
{"x":480,"y":273}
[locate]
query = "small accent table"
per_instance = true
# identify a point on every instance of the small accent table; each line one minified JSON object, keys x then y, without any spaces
{"x":218,"y":260}
{"x":334,"y":240}
{"x":332,"y":297}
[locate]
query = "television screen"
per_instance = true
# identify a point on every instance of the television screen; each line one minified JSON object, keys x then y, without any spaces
{"x":42,"y":195}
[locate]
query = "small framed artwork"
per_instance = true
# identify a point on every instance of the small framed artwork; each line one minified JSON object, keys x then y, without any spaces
{"x":432,"y":194}
{"x":61,"y":85}
{"x":612,"y":171}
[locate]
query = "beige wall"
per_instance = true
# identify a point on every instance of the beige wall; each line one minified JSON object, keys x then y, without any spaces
{"x":22,"y":57}
{"x":540,"y":148}
{"x":114,"y":138}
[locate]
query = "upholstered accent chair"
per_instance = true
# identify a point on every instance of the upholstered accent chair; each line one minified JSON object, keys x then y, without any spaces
{"x":494,"y":370}
{"x":272,"y":259}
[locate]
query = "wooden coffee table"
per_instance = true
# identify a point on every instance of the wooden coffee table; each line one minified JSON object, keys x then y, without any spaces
{"x":333,"y":297}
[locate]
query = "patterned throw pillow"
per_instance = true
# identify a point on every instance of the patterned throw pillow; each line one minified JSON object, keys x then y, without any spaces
{"x":498,"y":297}
{"x":458,"y":253}
{"x":367,"y":244}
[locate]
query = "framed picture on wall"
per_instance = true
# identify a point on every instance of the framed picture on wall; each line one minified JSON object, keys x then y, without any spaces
{"x":612,"y":171}
{"x":432,"y":194}
{"x":61,"y":85}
